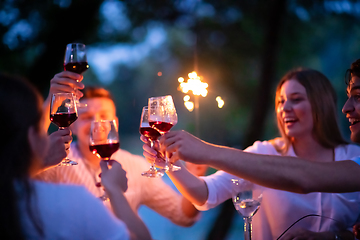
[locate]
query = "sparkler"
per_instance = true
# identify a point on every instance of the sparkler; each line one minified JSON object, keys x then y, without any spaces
{"x":198,"y":88}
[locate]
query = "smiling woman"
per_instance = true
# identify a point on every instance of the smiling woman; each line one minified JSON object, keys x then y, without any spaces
{"x":314,"y":88}
{"x":306,"y":114}
{"x":294,"y":110}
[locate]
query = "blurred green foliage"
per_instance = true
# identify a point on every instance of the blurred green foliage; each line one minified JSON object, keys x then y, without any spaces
{"x":229,"y":43}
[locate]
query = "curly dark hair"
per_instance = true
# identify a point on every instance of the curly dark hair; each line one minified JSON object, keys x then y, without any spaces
{"x":354,"y":70}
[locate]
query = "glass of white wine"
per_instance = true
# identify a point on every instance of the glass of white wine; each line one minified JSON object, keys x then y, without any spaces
{"x":247,"y":197}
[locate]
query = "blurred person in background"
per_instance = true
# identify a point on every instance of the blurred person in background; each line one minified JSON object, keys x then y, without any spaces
{"x":154,"y":193}
{"x":306,"y":113}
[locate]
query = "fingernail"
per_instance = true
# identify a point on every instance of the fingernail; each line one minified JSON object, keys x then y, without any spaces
{"x":98,"y":184}
{"x":100,"y":175}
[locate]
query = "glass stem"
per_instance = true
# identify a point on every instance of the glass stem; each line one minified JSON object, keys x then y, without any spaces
{"x":166,"y":159}
{"x":66,"y":158}
{"x":152,"y":166}
{"x":247,"y":228}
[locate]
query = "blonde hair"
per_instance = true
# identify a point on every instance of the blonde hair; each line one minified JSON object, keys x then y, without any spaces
{"x":322,"y":98}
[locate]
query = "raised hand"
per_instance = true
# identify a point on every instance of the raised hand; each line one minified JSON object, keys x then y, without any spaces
{"x":63,"y":82}
{"x":59,"y":144}
{"x":113,"y":176}
{"x":152,"y":154}
{"x":66,"y":82}
{"x":182,"y":145}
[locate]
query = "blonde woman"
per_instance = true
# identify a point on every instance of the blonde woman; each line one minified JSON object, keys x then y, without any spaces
{"x":306,"y":114}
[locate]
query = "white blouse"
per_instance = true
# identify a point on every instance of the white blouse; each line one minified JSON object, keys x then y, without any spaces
{"x":279,"y":209}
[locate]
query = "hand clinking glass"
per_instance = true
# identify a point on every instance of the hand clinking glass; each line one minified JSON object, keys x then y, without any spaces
{"x":162,"y":117}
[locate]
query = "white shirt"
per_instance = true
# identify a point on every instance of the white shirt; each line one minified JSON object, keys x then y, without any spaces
{"x":152,"y":192}
{"x":279,"y":209}
{"x":69,"y":212}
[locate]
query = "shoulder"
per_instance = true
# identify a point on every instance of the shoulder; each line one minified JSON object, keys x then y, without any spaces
{"x":347,"y":151}
{"x":264,"y":147}
{"x":126,"y":154}
{"x":61,"y":174}
{"x":128,"y":159}
{"x":48,"y":175}
{"x":87,"y":215}
{"x":57,"y":199}
{"x":72,"y":201}
{"x":74,"y":152}
{"x":60,"y":192}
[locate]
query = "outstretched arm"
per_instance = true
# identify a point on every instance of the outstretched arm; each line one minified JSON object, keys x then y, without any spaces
{"x":113,"y":178}
{"x":190,"y":186}
{"x":285,"y":173}
{"x":197,"y":170}
{"x":180,"y":179}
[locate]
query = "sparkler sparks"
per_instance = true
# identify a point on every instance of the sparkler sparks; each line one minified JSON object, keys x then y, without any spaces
{"x":197,"y":87}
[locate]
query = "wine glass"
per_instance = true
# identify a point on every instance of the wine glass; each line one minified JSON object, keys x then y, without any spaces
{"x":104,"y":141}
{"x":247,"y":197}
{"x":162,"y":117}
{"x":75,"y":61}
{"x":152,"y":134}
{"x":63,"y":112}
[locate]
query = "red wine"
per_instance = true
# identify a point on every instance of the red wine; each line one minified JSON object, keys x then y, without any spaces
{"x":76,"y":67}
{"x":150,"y":132}
{"x":105,"y":150}
{"x":63,"y":119}
{"x":161,"y":126}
